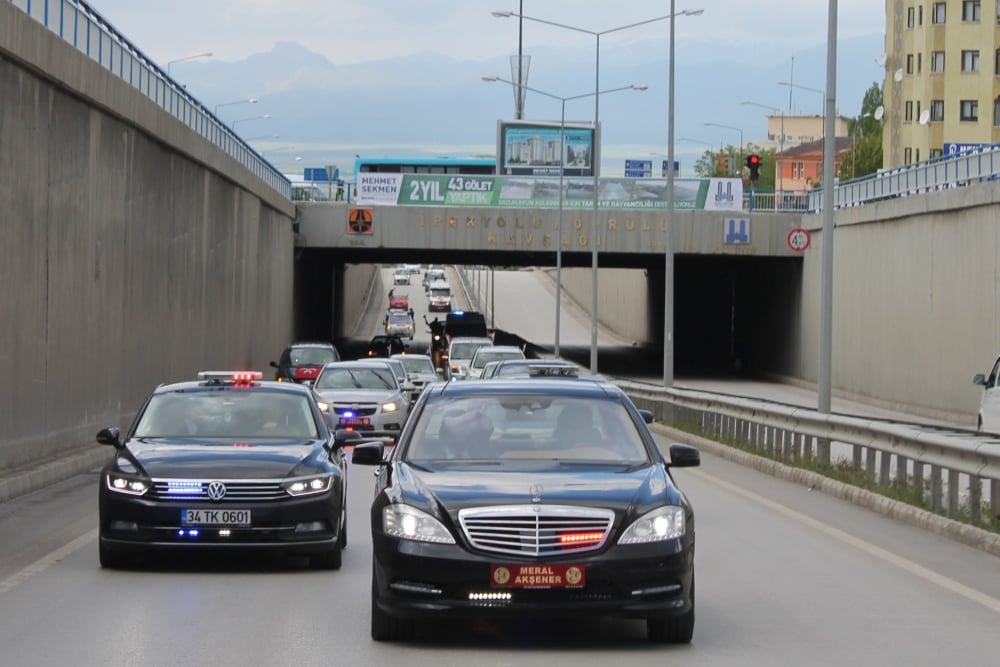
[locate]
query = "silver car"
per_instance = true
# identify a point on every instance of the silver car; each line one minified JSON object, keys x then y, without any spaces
{"x":490,"y":353}
{"x":400,"y":323}
{"x":362,"y":396}
{"x":460,"y":353}
{"x":420,"y":369}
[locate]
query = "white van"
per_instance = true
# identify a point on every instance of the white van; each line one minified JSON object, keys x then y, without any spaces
{"x":439,"y":296}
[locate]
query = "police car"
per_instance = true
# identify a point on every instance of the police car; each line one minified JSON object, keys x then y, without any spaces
{"x":227,"y":462}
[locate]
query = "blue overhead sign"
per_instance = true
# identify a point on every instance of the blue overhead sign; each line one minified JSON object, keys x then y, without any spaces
{"x":952,"y":148}
{"x":663,"y":168}
{"x":638,"y":168}
{"x":319,"y":175}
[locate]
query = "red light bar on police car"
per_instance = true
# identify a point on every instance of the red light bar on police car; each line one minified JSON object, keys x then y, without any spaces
{"x":236,"y":377}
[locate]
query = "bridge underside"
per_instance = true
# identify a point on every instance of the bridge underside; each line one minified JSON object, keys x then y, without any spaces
{"x":732,"y":314}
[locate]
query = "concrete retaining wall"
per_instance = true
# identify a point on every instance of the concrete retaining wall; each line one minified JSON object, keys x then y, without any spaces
{"x":133,"y":252}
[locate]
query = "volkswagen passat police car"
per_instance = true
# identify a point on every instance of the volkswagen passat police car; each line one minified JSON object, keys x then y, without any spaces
{"x":225,"y":462}
{"x":545,"y":497}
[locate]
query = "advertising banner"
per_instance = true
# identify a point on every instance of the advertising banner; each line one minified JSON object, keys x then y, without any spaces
{"x":709,"y":194}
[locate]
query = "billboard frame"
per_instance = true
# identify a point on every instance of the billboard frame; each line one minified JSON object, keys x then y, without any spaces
{"x":512,"y":135}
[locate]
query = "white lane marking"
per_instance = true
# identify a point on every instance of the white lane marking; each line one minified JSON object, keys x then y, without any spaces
{"x":47,"y":560}
{"x":991,"y":603}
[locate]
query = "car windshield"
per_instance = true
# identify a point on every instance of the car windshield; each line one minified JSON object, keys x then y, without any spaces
{"x":486,"y":355}
{"x":356,"y":378}
{"x":510,"y":427}
{"x":311,"y":356}
{"x":399,"y":318}
{"x":227,"y":414}
{"x":465,"y":350}
{"x":440,"y":291}
{"x":418,"y":365}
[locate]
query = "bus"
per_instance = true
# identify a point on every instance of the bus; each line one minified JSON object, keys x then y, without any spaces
{"x":425,"y":165}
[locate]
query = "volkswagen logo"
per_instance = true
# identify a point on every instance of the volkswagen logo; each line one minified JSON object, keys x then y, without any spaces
{"x":216,"y":490}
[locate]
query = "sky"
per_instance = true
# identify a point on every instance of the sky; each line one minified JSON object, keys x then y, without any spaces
{"x":355,"y":31}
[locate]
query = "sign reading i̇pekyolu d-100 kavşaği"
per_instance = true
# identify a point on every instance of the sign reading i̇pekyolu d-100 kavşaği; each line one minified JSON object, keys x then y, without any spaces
{"x":709,"y":194}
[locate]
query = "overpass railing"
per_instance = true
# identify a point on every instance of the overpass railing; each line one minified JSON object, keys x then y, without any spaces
{"x":90,"y":33}
{"x":956,"y":473}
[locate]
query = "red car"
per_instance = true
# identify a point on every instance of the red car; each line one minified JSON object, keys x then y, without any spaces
{"x":399,"y":301}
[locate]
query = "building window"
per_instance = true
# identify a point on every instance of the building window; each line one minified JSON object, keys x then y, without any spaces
{"x":909,"y":63}
{"x":996,"y":59}
{"x":920,"y":62}
{"x":970,"y":61}
{"x":938,"y":13}
{"x":908,"y":113}
{"x":916,"y":155}
{"x":937,"y":110}
{"x":996,"y":112}
{"x":936,"y":153}
{"x":937,"y":61}
{"x":969,"y":110}
{"x":920,"y":15}
{"x":970,"y":10}
{"x":909,"y":17}
{"x":907,"y":155}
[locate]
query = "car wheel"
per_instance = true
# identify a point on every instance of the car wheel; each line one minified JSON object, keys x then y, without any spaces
{"x":386,"y":628}
{"x":672,"y":629}
{"x":328,"y":560}
{"x":111,"y":559}
{"x":343,"y":527}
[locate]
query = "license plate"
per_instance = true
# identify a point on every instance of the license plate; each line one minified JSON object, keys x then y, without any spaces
{"x":538,"y":576}
{"x":215,"y":517}
{"x":355,"y":421}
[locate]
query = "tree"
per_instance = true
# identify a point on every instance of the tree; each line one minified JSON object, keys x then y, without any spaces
{"x":865,"y":156}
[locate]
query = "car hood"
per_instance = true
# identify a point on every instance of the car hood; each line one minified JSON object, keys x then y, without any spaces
{"x":224,"y":458}
{"x":617,"y":487}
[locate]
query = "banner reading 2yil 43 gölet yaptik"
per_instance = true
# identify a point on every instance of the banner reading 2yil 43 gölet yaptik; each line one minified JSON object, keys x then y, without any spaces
{"x":695,"y":194}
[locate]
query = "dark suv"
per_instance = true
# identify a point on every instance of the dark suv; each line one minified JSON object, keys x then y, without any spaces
{"x":302,"y":362}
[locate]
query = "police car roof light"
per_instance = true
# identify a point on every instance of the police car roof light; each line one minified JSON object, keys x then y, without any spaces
{"x":238,"y":378}
{"x":553,"y":371}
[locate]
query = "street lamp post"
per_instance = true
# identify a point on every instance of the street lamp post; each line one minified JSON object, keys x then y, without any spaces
{"x":562,"y":171}
{"x":781,"y":140}
{"x":730,"y":127}
{"x":251,"y":100}
{"x":243,"y":120}
{"x":207,"y":54}
{"x":594,"y":161}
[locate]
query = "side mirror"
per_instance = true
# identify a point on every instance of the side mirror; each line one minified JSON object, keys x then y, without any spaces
{"x":369,"y":454}
{"x":979,"y":379}
{"x":274,"y":364}
{"x":647,"y":415}
{"x":439,"y":372}
{"x":684,"y":456}
{"x":343,"y":437}
{"x":409,"y":386}
{"x":110,"y":436}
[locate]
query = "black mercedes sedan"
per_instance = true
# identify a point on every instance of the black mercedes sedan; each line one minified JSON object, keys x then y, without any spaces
{"x":529,"y":498}
{"x":226,"y":462}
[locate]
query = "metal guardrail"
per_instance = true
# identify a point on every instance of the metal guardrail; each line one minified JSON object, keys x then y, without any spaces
{"x":90,"y":33}
{"x":959,"y":472}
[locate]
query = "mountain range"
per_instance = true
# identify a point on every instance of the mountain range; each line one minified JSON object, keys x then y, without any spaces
{"x":428,"y":104}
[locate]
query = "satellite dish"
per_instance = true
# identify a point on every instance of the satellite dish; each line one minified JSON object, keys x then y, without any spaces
{"x":879,"y":112}
{"x":897,"y":76}
{"x":881,"y":59}
{"x":925,"y":116}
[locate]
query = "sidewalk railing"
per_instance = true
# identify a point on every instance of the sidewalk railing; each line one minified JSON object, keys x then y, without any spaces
{"x":90,"y":33}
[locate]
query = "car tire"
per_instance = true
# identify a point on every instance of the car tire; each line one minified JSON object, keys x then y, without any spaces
{"x":328,"y":560}
{"x":343,"y":527}
{"x":110,"y":559}
{"x":387,"y":628}
{"x":672,"y":629}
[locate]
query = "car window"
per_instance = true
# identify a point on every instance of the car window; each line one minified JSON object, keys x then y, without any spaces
{"x":465,"y":350}
{"x":418,"y":364}
{"x":312,"y":356}
{"x":356,"y":378}
{"x":485,"y":355}
{"x":227,"y":414}
{"x":512,"y":427}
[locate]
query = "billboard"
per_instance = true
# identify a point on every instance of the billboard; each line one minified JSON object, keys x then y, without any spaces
{"x":533,"y":148}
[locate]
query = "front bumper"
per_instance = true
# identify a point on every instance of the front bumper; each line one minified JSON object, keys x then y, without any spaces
{"x":637,"y":581}
{"x":300,"y":525}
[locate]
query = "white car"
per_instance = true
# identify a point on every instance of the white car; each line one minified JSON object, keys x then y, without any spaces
{"x":420,"y":370}
{"x":460,"y":353}
{"x":485,"y":355}
{"x":362,"y":396}
{"x":400,"y":276}
{"x":989,"y":403}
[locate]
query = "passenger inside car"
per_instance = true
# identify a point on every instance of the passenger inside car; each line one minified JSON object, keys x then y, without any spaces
{"x":464,"y":435}
{"x":575,"y":427}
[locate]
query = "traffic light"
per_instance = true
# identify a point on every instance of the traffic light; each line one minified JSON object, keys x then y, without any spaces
{"x":753,"y":164}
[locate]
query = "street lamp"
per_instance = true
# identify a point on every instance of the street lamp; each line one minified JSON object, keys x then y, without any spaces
{"x":594,"y":162}
{"x":781,"y":140}
{"x":562,"y":170}
{"x":207,"y":54}
{"x":730,"y":127}
{"x":243,"y":120}
{"x":251,"y":100}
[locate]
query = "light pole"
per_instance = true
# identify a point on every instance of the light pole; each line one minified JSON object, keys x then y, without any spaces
{"x":781,"y":140}
{"x":207,"y":54}
{"x":730,"y":127}
{"x":243,"y":120}
{"x":251,"y":100}
{"x":594,"y":152}
{"x":562,"y":171}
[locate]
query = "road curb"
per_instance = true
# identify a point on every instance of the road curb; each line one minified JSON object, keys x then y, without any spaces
{"x":963,"y":533}
{"x":20,"y":482}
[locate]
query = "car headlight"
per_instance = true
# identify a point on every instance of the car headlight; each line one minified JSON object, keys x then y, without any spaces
{"x":323,"y":406}
{"x":127,"y":484}
{"x":307,"y":486}
{"x":391,"y":406}
{"x":663,"y":523}
{"x":409,"y":523}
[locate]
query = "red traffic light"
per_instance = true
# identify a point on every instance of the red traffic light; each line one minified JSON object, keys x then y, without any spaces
{"x":753,"y":160}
